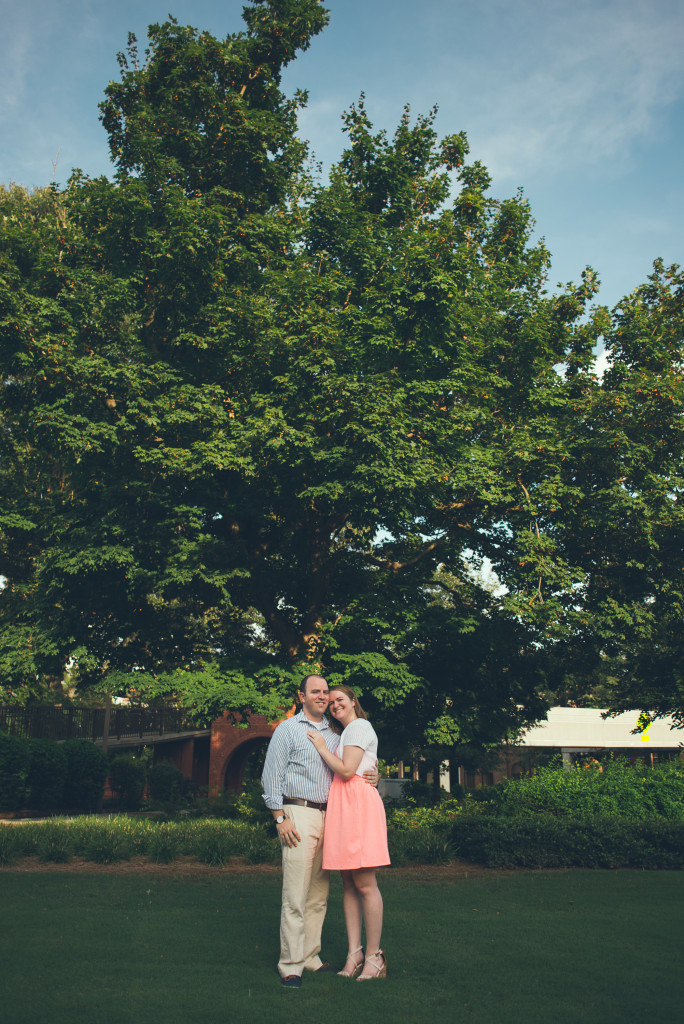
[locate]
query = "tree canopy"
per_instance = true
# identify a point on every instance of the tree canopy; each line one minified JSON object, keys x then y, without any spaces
{"x":254,"y":423}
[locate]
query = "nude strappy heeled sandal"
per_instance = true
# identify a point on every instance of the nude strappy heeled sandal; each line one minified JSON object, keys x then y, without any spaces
{"x":375,"y":966}
{"x":356,"y":964}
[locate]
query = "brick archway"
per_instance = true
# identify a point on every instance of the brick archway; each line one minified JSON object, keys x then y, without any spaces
{"x":237,"y":762}
{"x":230,"y":746}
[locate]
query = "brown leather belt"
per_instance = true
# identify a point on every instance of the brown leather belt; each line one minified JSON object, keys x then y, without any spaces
{"x":304,"y":803}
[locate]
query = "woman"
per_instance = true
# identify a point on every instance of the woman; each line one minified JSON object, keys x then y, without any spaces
{"x":355,"y":838}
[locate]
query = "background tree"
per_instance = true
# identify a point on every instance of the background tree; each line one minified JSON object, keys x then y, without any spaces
{"x":626,"y":524}
{"x":107,"y":284}
{"x":254,"y":423}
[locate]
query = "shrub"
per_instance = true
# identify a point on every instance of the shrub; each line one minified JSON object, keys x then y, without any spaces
{"x":222,"y":805}
{"x":54,"y":843}
{"x":47,"y":775}
{"x":15,"y":764}
{"x":189,"y":789}
{"x":541,"y":842}
{"x":165,"y":781}
{"x":127,"y":779}
{"x":442,"y":814}
{"x":663,"y":790}
{"x":554,"y":842}
{"x":418,"y":794}
{"x":216,"y":842}
{"x":398,"y":844}
{"x":419,"y":845}
{"x":25,"y":839}
{"x":258,"y":847}
{"x":106,"y":841}
{"x":9,"y":846}
{"x":87,"y":768}
{"x":614,"y":788}
{"x":164,"y":844}
{"x":246,"y":805}
{"x":249,"y":804}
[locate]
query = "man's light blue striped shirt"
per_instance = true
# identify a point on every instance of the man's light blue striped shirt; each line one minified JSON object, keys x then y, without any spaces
{"x":293,"y":767}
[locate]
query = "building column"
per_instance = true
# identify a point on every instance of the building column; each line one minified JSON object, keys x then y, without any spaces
{"x":187,"y":756}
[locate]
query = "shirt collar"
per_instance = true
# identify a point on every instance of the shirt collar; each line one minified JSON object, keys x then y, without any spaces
{"x":323,"y":724}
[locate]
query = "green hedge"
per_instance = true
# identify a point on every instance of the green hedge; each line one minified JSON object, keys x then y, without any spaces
{"x":87,"y":770}
{"x":127,"y":779}
{"x":47,"y":775}
{"x":553,"y":842}
{"x":165,"y":782}
{"x":15,"y":764}
{"x":616,"y":788}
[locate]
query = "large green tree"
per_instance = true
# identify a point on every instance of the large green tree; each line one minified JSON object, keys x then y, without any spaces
{"x":254,"y":422}
{"x":106,"y":291}
{"x":625,"y":524}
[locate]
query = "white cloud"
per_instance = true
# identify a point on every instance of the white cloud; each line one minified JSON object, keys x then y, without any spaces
{"x":566,"y":85}
{"x":542,"y":87}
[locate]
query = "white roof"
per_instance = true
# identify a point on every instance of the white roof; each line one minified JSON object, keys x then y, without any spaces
{"x":585,"y":729}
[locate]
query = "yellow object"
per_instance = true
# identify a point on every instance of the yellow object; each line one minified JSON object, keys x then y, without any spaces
{"x":644,"y":724}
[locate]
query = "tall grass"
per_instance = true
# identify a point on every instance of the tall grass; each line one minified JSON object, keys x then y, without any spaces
{"x":106,"y":840}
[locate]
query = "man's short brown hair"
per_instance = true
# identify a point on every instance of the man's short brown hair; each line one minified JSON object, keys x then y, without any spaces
{"x":305,"y":680}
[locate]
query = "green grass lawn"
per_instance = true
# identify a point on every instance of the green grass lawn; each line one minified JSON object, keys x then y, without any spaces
{"x":582,"y":947}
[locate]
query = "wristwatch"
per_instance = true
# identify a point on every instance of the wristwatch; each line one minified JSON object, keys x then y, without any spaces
{"x":280,"y":819}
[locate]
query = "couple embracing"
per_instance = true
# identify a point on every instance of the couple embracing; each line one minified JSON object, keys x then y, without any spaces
{"x":320,"y":780}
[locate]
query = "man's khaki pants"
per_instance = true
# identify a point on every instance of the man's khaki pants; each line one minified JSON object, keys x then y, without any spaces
{"x":305,"y":893}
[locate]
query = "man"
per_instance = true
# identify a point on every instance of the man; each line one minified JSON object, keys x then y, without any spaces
{"x":296,"y":782}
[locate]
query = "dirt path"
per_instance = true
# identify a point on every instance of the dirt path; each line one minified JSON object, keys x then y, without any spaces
{"x":188,"y":867}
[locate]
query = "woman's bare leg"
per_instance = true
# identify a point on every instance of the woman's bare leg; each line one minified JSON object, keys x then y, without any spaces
{"x":351,"y":901}
{"x":371,"y":903}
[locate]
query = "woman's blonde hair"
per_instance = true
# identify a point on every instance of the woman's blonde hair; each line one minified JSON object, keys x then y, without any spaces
{"x":360,"y":713}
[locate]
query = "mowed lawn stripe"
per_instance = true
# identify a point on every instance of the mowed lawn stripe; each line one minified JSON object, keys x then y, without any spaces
{"x":582,"y":947}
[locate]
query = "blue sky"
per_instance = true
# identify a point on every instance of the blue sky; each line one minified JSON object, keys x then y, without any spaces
{"x":581,"y":105}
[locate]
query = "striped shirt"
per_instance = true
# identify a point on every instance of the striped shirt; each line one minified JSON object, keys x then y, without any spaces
{"x":293,"y":767}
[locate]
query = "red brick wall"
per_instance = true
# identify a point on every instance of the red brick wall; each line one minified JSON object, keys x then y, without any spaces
{"x":227,"y":740}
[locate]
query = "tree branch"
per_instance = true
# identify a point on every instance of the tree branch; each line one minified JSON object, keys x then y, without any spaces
{"x":287,"y":636}
{"x":398,"y":566}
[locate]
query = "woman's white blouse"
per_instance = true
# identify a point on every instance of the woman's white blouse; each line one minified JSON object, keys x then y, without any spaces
{"x":360,"y":733}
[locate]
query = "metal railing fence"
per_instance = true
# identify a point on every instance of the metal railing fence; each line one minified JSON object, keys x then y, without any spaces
{"x":56,"y":723}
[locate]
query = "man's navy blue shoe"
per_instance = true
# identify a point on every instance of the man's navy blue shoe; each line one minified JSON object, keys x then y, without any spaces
{"x":325,"y":968}
{"x":291,"y":981}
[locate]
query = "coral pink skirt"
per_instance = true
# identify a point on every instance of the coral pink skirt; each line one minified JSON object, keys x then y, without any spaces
{"x":355,"y":827}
